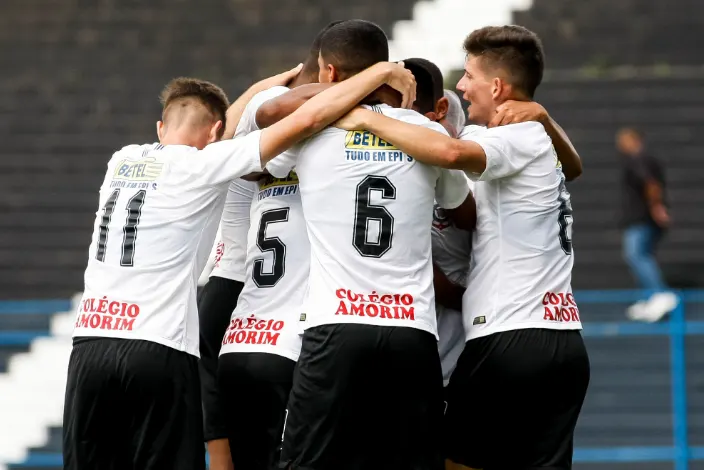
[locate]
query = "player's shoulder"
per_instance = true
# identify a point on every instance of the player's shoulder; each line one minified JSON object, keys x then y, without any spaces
{"x":242,"y":188}
{"x":527,"y":133}
{"x":472,"y":131}
{"x":525,"y":137}
{"x":270,"y":93}
{"x":135,"y":149}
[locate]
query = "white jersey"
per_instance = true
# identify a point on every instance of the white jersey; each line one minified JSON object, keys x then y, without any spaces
{"x":230,"y":247}
{"x":521,"y":267}
{"x":451,"y":253}
{"x":231,"y":244}
{"x":368,"y":208}
{"x":159,"y":211}
{"x":277,"y":264}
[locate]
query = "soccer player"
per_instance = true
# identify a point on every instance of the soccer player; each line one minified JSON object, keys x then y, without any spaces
{"x":367,"y":390}
{"x":132,"y":395}
{"x":219,"y":299}
{"x":258,"y":368}
{"x":519,"y":385}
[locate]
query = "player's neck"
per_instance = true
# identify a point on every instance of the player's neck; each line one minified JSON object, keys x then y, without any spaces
{"x":182,"y":138}
{"x":384,"y":95}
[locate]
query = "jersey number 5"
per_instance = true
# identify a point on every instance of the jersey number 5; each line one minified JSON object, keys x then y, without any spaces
{"x":129,"y":230}
{"x":373,"y":225}
{"x":272,"y":244}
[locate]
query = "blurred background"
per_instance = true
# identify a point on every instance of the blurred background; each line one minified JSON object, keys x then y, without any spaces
{"x":81,"y":78}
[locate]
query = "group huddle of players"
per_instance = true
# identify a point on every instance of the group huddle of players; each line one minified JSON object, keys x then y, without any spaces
{"x":389,"y":289}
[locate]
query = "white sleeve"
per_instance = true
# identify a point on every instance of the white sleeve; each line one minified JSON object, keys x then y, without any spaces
{"x":224,"y":161}
{"x":248,"y":121}
{"x":509,"y":149}
{"x":281,"y":166}
{"x":451,"y":188}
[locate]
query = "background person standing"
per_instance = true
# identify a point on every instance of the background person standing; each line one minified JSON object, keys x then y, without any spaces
{"x":645,"y":218}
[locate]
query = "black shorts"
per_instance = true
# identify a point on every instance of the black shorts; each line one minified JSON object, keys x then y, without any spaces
{"x":256,"y":388}
{"x":365,"y":398}
{"x":132,"y":404}
{"x":514,"y":400}
{"x":216,"y":302}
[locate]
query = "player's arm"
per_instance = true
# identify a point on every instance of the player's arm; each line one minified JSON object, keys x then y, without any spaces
{"x":512,"y":112}
{"x":423,"y":144}
{"x":284,"y":105}
{"x":220,"y":457}
{"x":331,"y":104}
{"x":236,"y":109}
{"x":447,"y":293}
{"x":464,"y":216}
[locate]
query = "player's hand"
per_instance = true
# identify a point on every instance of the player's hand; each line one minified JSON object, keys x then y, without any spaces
{"x":659,"y":214}
{"x":402,"y":80}
{"x":281,"y":79}
{"x":354,"y":120}
{"x":513,"y":112}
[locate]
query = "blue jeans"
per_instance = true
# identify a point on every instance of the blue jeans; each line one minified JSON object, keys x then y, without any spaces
{"x":639,"y":252}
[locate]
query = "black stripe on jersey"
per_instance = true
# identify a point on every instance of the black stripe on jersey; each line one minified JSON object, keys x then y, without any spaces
{"x":376,"y":109}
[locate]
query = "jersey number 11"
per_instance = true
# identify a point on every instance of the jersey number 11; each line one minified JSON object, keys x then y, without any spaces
{"x":129,"y":230}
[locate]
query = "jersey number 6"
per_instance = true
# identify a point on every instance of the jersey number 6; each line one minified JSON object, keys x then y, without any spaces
{"x":373,"y":225}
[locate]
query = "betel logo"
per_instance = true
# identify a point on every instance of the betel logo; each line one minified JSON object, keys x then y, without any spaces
{"x":138,"y":170}
{"x":365,"y":140}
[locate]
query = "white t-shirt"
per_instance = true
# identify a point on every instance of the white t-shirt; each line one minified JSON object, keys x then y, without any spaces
{"x":231,"y":244}
{"x":230,"y":247}
{"x":451,"y":253}
{"x":277,"y":264}
{"x":367,"y":208}
{"x":521,"y":268}
{"x":159,"y":211}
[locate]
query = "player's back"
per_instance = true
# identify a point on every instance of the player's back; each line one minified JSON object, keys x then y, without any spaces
{"x":158,"y":214}
{"x":368,"y":210}
{"x":522,"y":248}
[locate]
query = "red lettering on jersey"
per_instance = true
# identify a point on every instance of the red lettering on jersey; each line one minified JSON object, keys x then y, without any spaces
{"x":372,"y":310}
{"x":357,"y":309}
{"x":563,"y":314}
{"x":548,"y":314}
{"x":375,"y":305}
{"x":408,"y":313}
{"x":219,"y":251}
{"x":105,"y":317}
{"x":270,"y":338}
{"x":342,"y":308}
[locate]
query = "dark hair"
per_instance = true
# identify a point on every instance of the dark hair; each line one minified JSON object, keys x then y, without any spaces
{"x":515,"y":49}
{"x":429,"y":83}
{"x":310,"y":66}
{"x":209,"y":95}
{"x":353,"y":45}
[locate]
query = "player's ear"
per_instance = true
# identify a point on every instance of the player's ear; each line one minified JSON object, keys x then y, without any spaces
{"x":333,"y":74}
{"x":160,"y":130}
{"x":498,"y":88}
{"x":441,"y":108}
{"x":215,"y":132}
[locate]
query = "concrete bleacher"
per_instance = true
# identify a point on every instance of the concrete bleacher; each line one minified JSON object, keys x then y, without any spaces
{"x":668,"y":111}
{"x":81,"y":79}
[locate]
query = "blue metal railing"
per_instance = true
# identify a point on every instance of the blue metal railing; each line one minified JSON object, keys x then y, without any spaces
{"x":676,"y":327}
